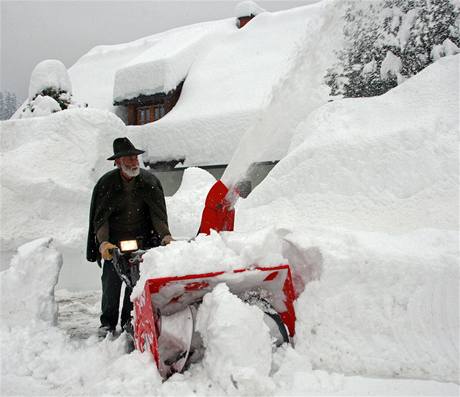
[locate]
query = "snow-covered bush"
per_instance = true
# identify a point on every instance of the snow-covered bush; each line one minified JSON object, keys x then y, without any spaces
{"x":391,"y":40}
{"x":50,"y":90}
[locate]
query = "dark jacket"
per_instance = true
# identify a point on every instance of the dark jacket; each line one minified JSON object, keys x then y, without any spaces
{"x":107,"y":196}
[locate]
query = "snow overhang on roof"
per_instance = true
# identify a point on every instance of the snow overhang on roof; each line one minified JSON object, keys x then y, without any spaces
{"x":163,"y":66}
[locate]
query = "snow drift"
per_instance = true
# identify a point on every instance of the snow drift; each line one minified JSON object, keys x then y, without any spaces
{"x":49,"y":168}
{"x":373,"y":185}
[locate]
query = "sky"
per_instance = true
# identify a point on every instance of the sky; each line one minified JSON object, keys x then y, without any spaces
{"x":32,"y":31}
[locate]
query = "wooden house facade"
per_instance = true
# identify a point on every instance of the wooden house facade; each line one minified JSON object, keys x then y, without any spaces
{"x":145,"y":109}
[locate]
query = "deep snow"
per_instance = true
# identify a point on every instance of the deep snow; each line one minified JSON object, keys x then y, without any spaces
{"x":364,"y":206}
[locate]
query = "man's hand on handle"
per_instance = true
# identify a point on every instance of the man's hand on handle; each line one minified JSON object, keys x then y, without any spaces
{"x":105,"y":248}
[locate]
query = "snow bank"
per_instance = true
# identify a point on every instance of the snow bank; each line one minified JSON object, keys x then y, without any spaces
{"x":235,"y":356}
{"x":49,"y":167}
{"x":387,"y":163}
{"x":50,"y":73}
{"x":372,"y":186}
{"x":28,"y":284}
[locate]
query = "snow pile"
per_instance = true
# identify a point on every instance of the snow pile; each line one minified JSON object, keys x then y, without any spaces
{"x":43,"y":106}
{"x":386,"y":163}
{"x":50,"y":73}
{"x":372,"y":185}
{"x":34,"y":273}
{"x":383,"y":306}
{"x":186,"y":206}
{"x":217,"y":252}
{"x":235,"y":356}
{"x":49,"y":167}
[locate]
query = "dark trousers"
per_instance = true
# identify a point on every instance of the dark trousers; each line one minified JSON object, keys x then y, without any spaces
{"x":111,"y":289}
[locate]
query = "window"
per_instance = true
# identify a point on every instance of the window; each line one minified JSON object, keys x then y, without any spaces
{"x":143,"y":115}
{"x":159,"y":112}
{"x":148,"y":114}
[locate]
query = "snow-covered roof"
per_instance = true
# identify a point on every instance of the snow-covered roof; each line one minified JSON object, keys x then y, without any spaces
{"x":231,"y":76}
{"x":160,"y":68}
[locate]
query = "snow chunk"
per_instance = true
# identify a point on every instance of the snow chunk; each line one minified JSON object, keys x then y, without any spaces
{"x":50,"y":73}
{"x":42,"y":106}
{"x":237,"y":341}
{"x":28,"y":284}
{"x":247,"y":8}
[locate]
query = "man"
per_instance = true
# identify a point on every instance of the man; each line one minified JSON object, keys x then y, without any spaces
{"x":127,"y":203}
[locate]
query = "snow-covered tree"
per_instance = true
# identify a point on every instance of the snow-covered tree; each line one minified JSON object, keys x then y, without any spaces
{"x":8,"y":105}
{"x":390,"y":41}
{"x":50,"y":90}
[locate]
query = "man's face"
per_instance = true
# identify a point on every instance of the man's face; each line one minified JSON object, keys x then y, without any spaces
{"x":129,"y":165}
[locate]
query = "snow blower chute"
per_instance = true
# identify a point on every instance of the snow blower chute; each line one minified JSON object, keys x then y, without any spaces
{"x":165,"y":311}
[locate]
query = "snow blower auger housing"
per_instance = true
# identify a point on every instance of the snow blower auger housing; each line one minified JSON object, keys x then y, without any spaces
{"x":168,"y":304}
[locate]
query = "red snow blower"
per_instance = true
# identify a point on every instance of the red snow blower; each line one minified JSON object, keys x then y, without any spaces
{"x":164,"y":314}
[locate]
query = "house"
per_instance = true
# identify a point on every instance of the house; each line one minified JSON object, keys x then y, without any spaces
{"x":143,"y":109}
{"x":188,"y":95}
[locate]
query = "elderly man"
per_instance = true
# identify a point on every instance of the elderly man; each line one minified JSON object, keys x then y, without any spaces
{"x":127,"y":203}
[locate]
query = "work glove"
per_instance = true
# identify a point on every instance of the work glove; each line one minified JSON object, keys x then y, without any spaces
{"x":166,"y":239}
{"x":105,"y":248}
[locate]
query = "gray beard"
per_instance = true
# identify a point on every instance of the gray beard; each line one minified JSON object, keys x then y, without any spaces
{"x":131,"y":172}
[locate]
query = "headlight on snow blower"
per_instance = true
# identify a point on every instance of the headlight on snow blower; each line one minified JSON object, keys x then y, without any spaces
{"x":128,"y":245}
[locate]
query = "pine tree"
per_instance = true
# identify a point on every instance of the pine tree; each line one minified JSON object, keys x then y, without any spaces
{"x":390,"y":41}
{"x":8,"y":105}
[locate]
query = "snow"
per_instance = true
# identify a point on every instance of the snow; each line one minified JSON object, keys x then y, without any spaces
{"x":50,"y":73}
{"x":247,"y":8}
{"x":391,"y":66}
{"x":186,"y":206}
{"x":43,"y":106}
{"x":363,"y":205}
{"x":33,"y":270}
{"x":231,"y":76}
{"x":233,"y":358}
{"x":446,"y":48}
{"x":164,"y":65}
{"x":56,"y":160}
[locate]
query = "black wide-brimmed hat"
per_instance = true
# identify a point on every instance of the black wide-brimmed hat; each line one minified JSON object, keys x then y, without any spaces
{"x":123,"y":147}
